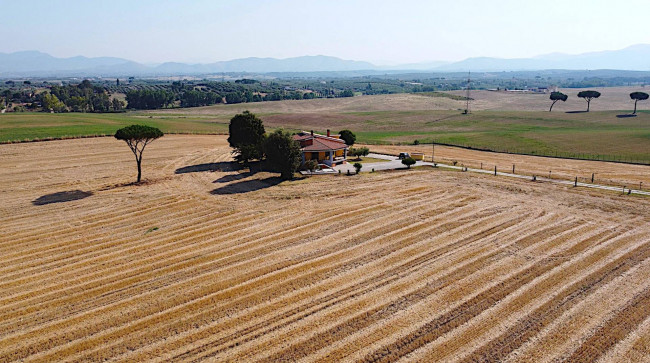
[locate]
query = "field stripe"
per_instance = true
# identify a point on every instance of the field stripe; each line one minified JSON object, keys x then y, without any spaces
{"x":614,"y":330}
{"x":382,"y":312}
{"x":354,"y":291}
{"x":76,"y":333}
{"x":517,"y":335}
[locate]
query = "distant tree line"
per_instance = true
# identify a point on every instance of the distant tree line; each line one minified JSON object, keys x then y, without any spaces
{"x":83,"y":97}
{"x":149,"y":99}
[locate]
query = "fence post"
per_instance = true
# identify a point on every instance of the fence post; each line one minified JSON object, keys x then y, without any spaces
{"x":481,"y":166}
{"x":575,"y":184}
{"x":495,"y":170}
{"x":592,"y":178}
{"x":513,"y":168}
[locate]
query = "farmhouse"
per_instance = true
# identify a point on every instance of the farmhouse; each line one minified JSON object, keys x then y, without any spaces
{"x":328,"y":150}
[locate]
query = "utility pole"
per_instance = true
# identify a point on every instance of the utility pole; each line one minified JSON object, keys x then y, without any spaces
{"x":467,"y":110}
{"x":433,"y":150}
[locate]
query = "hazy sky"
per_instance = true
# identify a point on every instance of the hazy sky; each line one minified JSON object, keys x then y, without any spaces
{"x":383,"y":32}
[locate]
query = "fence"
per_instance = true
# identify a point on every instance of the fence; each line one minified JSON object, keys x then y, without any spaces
{"x":519,"y":169}
{"x":627,"y":159}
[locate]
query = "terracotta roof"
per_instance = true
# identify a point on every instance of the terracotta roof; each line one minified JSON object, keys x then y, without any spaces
{"x":321,"y":144}
{"x":302,"y":136}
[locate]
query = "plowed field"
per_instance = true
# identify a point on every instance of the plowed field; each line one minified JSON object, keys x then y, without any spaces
{"x":207,"y":262}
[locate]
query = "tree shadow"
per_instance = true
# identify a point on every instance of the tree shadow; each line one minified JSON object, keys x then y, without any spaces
{"x":576,"y":111}
{"x":61,"y":197}
{"x":233,"y":177}
{"x":247,"y":186}
{"x":220,"y":166}
{"x":626,"y":115}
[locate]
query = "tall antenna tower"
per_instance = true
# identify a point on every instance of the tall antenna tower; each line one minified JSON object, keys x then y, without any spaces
{"x":467,"y":110}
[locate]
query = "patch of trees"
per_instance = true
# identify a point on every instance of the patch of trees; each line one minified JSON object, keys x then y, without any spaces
{"x":279,"y":150}
{"x":149,"y":99}
{"x":82,"y":97}
{"x":247,"y":81}
{"x":194,"y":98}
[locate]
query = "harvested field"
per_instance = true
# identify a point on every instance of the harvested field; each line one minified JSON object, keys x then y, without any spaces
{"x":207,"y":262}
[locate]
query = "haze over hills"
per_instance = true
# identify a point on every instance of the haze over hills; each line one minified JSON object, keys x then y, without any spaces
{"x":38,"y":64}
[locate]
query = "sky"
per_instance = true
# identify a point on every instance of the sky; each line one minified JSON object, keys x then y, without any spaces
{"x":382,"y":32}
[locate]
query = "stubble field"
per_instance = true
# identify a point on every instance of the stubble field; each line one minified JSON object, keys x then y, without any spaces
{"x":206,"y":262}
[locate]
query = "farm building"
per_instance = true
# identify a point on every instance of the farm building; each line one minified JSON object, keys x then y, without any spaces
{"x":328,"y":150}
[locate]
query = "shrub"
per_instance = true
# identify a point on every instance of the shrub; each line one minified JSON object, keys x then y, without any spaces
{"x":311,"y":165}
{"x":359,"y":151}
{"x":416,"y":142}
{"x":408,"y":162}
{"x":357,"y":167}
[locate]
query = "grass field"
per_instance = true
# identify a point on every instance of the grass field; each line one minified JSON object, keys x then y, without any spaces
{"x":401,"y":118}
{"x":207,"y":262}
{"x":31,"y":126}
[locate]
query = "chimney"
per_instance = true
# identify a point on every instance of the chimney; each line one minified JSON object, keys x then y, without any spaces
{"x":312,"y":132}
{"x":328,"y":132}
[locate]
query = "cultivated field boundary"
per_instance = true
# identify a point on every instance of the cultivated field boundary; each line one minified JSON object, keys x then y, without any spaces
{"x":623,"y":190}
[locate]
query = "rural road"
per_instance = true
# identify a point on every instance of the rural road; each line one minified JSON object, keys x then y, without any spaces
{"x":393,"y":162}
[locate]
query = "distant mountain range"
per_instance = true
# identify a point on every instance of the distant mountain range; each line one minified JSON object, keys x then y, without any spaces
{"x":38,"y":64}
{"x":634,"y":58}
{"x":33,"y":63}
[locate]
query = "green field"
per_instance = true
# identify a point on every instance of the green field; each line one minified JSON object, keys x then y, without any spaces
{"x":38,"y":126}
{"x":595,"y":135}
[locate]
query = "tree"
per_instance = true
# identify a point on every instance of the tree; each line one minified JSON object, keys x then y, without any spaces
{"x":588,"y":96}
{"x":246,"y":137}
{"x":348,"y":136}
{"x":52,"y":103}
{"x":408,"y":162}
{"x":282,"y":153}
{"x":638,"y":96}
{"x":117,"y":104}
{"x":359,"y":152}
{"x":234,"y":97}
{"x":138,"y":137}
{"x":557,"y":96}
{"x":357,"y":167}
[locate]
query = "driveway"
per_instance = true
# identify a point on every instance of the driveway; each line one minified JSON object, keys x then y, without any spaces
{"x":392,"y":162}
